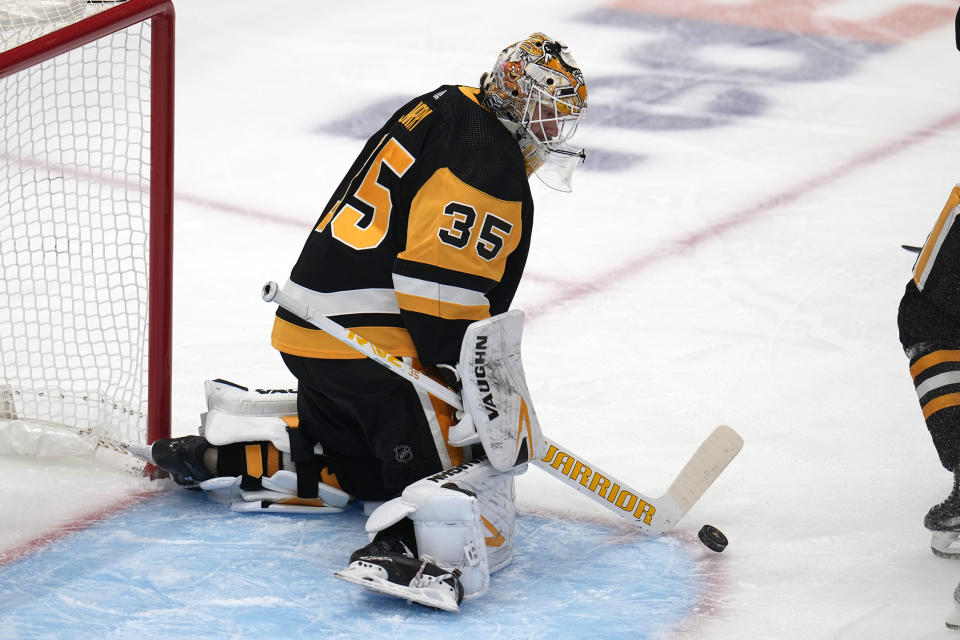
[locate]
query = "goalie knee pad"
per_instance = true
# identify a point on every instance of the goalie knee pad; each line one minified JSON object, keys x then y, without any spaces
{"x":237,"y":414}
{"x":463,"y":519}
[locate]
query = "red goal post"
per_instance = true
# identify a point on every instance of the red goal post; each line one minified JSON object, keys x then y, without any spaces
{"x":86,"y":220}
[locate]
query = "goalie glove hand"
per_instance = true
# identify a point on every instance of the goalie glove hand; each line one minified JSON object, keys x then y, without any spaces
{"x":448,"y":375}
{"x":464,"y":433}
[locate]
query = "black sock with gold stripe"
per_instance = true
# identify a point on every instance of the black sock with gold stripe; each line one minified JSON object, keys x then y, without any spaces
{"x":251,"y":460}
{"x":936,"y":377}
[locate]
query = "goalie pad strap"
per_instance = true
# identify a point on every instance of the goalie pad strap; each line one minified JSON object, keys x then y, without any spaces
{"x":254,"y":460}
{"x":265,"y":420}
{"x":303,"y":456}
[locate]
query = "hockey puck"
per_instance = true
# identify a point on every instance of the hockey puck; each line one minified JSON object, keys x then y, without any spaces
{"x":712,"y":538}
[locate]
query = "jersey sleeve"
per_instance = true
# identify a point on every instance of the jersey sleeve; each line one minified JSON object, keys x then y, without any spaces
{"x":457,"y":259}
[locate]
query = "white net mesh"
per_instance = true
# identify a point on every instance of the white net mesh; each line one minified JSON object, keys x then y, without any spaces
{"x":74,"y":232}
{"x":25,"y":20}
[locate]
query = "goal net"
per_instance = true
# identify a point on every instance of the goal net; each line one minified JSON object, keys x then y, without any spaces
{"x":85,"y":223}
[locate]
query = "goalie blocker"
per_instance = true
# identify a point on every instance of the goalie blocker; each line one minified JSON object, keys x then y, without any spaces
{"x":499,"y":410}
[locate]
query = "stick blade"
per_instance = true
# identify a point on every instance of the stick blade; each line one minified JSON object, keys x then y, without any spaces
{"x":704,"y":466}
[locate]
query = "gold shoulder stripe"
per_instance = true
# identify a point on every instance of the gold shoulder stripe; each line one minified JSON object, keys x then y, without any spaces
{"x":415,"y":116}
{"x":471,"y":93}
{"x":940,"y":230}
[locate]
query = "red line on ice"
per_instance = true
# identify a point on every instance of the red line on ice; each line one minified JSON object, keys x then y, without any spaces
{"x":246,"y":212}
{"x":740,"y":217}
{"x":78,"y":524}
{"x":896,"y":25}
{"x":598,"y":284}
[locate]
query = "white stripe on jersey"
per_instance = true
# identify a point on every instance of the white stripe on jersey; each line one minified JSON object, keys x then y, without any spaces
{"x":441,"y":292}
{"x":345,"y":302}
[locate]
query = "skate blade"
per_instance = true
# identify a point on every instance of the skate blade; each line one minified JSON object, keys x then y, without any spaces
{"x":385,"y":587}
{"x":141,"y":451}
{"x":953,"y":618}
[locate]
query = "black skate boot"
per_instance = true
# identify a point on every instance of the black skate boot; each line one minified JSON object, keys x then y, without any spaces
{"x":383,"y":547}
{"x":387,"y":566}
{"x":953,"y":619}
{"x":946,"y":515}
{"x":182,"y":458}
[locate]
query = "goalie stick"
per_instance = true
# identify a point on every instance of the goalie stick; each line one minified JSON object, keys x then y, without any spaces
{"x":650,"y":514}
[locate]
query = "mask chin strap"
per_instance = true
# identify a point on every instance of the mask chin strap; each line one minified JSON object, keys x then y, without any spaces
{"x":556,"y":170}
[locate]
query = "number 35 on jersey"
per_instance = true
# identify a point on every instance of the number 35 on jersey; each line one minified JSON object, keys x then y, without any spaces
{"x":450,"y":224}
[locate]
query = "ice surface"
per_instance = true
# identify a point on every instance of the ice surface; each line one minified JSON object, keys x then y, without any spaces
{"x":179,"y":565}
{"x":730,"y":254}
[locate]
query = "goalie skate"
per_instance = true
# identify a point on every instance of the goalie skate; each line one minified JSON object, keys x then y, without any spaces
{"x":953,"y":618}
{"x":946,"y":544}
{"x":944,"y":521}
{"x":402,"y":576}
{"x":182,"y":458}
{"x":946,"y":515}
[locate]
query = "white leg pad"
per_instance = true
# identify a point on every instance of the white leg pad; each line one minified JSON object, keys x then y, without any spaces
{"x":496,"y":496}
{"x":237,"y":399}
{"x":456,"y":530}
{"x":237,"y":414}
{"x":448,"y":529}
{"x":220,"y":428}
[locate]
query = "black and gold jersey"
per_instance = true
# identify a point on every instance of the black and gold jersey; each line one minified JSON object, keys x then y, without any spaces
{"x":428,"y":232}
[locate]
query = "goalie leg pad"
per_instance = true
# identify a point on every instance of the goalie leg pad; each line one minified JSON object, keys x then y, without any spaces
{"x":448,"y":530}
{"x":496,"y":495}
{"x":237,"y":414}
{"x":263,"y":482}
{"x":463,"y":518}
{"x":257,"y":435}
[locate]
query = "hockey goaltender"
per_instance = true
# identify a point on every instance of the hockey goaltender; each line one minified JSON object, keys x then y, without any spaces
{"x":427,"y":233}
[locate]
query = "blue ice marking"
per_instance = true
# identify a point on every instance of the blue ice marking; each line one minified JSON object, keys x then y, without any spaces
{"x":179,"y":565}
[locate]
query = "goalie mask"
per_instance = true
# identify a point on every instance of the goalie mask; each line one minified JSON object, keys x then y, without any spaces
{"x":537,"y":90}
